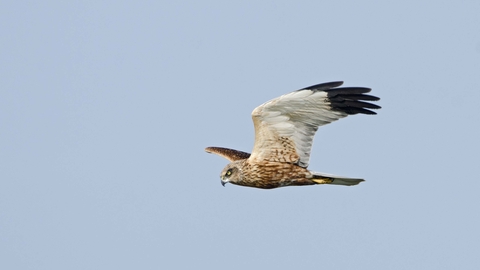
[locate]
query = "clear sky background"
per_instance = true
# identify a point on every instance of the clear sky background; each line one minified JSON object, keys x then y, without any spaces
{"x":106,"y":107}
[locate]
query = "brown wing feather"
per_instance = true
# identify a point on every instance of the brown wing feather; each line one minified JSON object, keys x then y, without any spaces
{"x":227,"y":153}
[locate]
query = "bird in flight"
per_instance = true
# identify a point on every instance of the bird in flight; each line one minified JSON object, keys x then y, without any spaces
{"x":284,"y":131}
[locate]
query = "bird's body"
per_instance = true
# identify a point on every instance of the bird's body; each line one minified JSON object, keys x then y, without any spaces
{"x":271,"y":174}
{"x":284,"y":131}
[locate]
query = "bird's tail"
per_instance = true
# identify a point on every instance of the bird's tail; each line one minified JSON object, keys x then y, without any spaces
{"x":323,"y":178}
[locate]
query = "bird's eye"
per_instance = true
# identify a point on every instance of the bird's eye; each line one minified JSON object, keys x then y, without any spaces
{"x":229,"y":172}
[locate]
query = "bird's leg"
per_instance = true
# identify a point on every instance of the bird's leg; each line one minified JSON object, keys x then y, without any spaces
{"x":323,"y":180}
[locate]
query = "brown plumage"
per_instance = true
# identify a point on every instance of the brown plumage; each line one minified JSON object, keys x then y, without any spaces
{"x":284,"y":131}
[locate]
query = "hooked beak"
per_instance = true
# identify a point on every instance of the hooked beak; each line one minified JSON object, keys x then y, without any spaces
{"x":223,"y":181}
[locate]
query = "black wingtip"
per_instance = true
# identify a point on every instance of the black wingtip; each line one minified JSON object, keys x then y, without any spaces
{"x":347,"y":99}
{"x":355,"y":110}
{"x":351,"y":100}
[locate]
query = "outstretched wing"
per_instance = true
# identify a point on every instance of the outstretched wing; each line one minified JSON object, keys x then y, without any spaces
{"x":227,"y":153}
{"x":285,"y":126}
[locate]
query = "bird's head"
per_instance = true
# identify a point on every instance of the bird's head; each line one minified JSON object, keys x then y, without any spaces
{"x":231,"y":173}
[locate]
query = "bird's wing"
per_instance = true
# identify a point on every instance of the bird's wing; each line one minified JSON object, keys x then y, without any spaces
{"x":227,"y":153}
{"x":285,"y":126}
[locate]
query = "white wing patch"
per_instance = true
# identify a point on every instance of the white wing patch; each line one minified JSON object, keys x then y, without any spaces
{"x":288,"y":123}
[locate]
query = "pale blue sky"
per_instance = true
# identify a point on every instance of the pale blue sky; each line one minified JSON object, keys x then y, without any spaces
{"x":106,"y":107}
